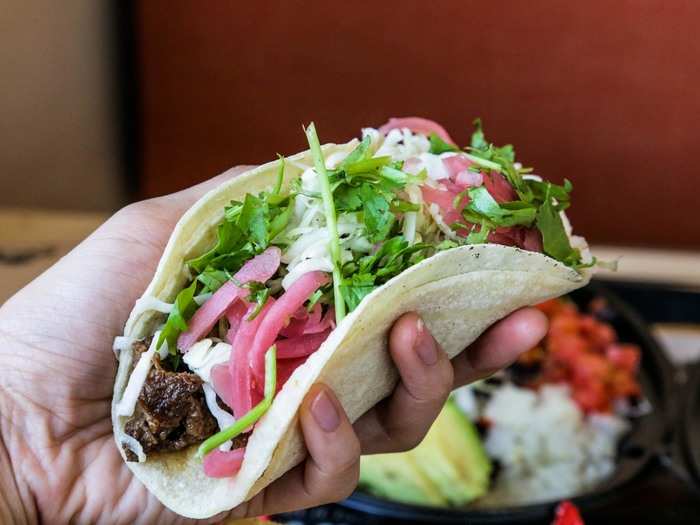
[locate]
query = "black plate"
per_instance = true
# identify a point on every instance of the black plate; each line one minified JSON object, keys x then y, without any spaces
{"x":634,"y":453}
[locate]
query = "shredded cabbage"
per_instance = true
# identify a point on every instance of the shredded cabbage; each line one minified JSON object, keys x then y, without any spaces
{"x":127,"y":404}
{"x":401,"y":144}
{"x":149,"y":303}
{"x":202,"y":357}
{"x":121,"y":343}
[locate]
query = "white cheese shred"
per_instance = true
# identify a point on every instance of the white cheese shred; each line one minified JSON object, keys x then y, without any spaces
{"x":127,"y":404}
{"x":121,"y":343}
{"x":223,"y":418}
{"x":149,"y":303}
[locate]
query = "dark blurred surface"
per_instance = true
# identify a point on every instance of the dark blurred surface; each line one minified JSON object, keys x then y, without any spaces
{"x":602,"y":93}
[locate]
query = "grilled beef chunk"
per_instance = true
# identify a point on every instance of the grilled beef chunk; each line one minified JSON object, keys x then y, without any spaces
{"x":171,"y":412}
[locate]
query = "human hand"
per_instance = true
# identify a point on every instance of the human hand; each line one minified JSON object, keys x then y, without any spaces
{"x":58,"y":460}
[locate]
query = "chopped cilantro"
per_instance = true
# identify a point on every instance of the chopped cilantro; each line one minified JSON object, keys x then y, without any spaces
{"x":554,"y":239}
{"x":367,"y":273}
{"x":484,"y":206}
{"x":259,"y":293}
{"x":480,"y":235}
{"x":183,"y":308}
{"x":437,"y":145}
{"x":213,"y":279}
{"x":378,"y":217}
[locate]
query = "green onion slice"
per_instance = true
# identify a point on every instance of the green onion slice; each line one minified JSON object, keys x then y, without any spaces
{"x":255,"y":413}
{"x":329,"y":208}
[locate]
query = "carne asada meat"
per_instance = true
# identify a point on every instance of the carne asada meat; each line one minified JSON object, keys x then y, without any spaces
{"x":171,"y":413}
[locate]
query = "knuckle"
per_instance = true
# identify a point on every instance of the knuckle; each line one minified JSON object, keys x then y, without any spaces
{"x":407,"y":439}
{"x":135,"y":208}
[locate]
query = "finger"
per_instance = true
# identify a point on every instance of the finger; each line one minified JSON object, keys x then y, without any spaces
{"x":331,"y":471}
{"x":401,"y":421}
{"x":500,"y":345}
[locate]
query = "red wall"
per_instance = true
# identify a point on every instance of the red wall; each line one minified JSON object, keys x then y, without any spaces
{"x":604,"y":93}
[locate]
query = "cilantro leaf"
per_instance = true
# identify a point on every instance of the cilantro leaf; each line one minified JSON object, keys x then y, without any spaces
{"x":483,"y":205}
{"x":378,"y":217}
{"x":281,"y":219}
{"x":254,"y":220}
{"x":280,"y":176}
{"x":366,"y":165}
{"x":183,"y":308}
{"x":213,"y":279}
{"x":347,"y":198}
{"x":356,"y":288}
{"x":554,"y":239}
{"x":479,"y":236}
{"x":560,"y":193}
{"x":259,"y":293}
{"x":437,"y":145}
{"x":370,"y":271}
{"x":360,"y":153}
{"x":228,"y":237}
{"x":485,"y":150}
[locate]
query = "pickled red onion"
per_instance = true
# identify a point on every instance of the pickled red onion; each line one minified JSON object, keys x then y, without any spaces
{"x":221,"y":464}
{"x":260,"y":268}
{"x":279,"y":314}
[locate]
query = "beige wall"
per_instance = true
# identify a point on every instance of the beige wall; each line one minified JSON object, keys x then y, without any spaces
{"x":57,"y":129}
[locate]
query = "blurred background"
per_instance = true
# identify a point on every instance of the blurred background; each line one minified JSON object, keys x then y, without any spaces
{"x":104,"y":102}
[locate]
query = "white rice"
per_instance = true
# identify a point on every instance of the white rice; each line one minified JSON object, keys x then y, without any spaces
{"x":548,"y":449}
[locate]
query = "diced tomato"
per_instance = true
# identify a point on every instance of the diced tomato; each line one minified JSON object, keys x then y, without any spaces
{"x":624,"y":356}
{"x":592,"y":397}
{"x":600,"y":334}
{"x":567,"y":514}
{"x":582,"y":351}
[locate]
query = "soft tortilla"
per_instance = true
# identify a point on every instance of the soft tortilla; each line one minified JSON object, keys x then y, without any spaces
{"x":458,"y":293}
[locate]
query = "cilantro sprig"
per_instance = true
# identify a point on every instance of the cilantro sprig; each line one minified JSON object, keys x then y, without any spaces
{"x":539,"y":203}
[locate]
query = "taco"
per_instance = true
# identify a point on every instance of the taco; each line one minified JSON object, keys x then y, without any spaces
{"x":293,"y":273}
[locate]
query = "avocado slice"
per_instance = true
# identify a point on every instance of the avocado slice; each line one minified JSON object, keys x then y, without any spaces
{"x":396,"y":477}
{"x":450,"y":466}
{"x":453,"y":457}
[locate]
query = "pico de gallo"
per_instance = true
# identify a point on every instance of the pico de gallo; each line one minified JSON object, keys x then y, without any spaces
{"x":290,"y":262}
{"x":583,"y":352}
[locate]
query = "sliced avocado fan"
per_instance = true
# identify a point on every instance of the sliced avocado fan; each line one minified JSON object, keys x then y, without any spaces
{"x":449,"y":468}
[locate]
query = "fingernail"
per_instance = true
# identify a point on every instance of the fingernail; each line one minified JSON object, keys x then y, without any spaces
{"x":324,"y":412}
{"x":425,"y":345}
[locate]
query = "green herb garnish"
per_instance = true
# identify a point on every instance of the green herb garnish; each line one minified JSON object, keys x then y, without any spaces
{"x":183,"y":308}
{"x":259,"y":294}
{"x":554,"y":239}
{"x":437,"y":145}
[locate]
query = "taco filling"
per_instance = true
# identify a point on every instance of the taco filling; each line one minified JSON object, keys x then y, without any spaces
{"x":289,"y":263}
